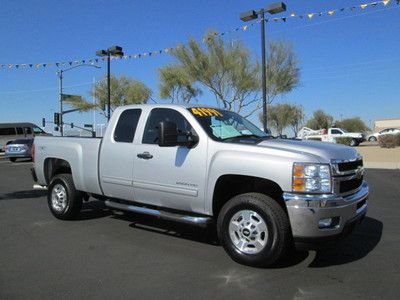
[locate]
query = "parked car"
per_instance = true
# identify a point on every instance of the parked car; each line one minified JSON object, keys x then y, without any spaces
{"x":374,"y":137}
{"x":21,"y":148}
{"x":12,"y":131}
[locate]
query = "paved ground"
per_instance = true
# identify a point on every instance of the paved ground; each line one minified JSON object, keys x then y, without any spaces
{"x":107,"y":256}
{"x":377,"y":157}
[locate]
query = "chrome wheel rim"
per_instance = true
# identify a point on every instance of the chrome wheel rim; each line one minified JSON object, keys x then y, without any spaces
{"x":248,"y":231}
{"x":59,"y":199}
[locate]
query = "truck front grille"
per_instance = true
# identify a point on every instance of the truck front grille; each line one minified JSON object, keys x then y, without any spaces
{"x":350,"y":185}
{"x":349,"y":166}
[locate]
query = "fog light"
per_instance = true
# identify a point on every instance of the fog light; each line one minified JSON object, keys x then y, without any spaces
{"x":329,"y":223}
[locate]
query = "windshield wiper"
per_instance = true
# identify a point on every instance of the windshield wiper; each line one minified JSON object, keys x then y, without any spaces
{"x":243,"y":136}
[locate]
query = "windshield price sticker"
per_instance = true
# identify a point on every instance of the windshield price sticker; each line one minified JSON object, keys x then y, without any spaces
{"x":205,"y":112}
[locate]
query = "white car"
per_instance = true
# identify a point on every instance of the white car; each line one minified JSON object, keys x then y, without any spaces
{"x":374,"y":137}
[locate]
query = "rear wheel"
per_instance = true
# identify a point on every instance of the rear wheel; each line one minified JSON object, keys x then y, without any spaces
{"x":254,"y":229}
{"x":64,"y":201}
{"x":354,"y":143}
{"x":13,"y":159}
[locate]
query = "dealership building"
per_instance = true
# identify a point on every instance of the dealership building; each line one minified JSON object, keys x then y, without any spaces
{"x":386,"y":123}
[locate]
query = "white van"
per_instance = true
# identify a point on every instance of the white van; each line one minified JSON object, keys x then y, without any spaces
{"x":12,"y":131}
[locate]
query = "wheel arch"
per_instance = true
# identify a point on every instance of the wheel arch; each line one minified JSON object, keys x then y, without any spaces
{"x":229,"y":185}
{"x":54,"y":166}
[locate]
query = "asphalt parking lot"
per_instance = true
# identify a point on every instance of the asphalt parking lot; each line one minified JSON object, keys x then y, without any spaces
{"x":106,"y":255}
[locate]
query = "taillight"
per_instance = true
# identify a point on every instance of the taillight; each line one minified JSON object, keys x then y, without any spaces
{"x":33,"y":153}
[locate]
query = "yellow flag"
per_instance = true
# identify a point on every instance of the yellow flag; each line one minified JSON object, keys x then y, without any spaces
{"x":331,"y":12}
{"x":311,"y":15}
{"x":385,"y":2}
{"x":363,"y":6}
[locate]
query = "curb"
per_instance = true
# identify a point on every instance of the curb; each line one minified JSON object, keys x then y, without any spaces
{"x":382,"y":165}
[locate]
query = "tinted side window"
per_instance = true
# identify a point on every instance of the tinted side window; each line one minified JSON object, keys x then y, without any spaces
{"x":335,"y":131}
{"x":28,"y":130}
{"x":19,"y":130}
{"x":158,"y":115}
{"x":126,"y":126}
{"x":7,"y":131}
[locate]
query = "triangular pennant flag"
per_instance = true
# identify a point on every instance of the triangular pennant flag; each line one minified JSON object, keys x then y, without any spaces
{"x":30,"y":65}
{"x":292,"y":15}
{"x":49,"y":65}
{"x":44,"y":65}
{"x":342,"y":9}
{"x":284,"y":19}
{"x":70,"y":63}
{"x":385,"y":2}
{"x":363,"y":6}
{"x":96,"y":60}
{"x":331,"y":12}
{"x":17,"y":66}
{"x":222,"y":33}
{"x":38,"y":65}
{"x":276,"y":19}
{"x":10,"y":66}
{"x":320,"y":14}
{"x":57,"y":64}
{"x":374,"y":4}
{"x":244,"y":27}
{"x":24,"y":65}
{"x":310,"y":15}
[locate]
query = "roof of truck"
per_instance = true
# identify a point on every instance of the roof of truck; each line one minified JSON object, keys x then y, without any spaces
{"x":184,"y":105}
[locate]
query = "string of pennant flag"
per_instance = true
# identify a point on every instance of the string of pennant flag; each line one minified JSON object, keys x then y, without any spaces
{"x":306,"y":16}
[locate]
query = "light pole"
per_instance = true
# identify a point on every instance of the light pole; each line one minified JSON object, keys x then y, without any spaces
{"x":251,"y":15}
{"x":61,"y":76}
{"x":112,"y":51}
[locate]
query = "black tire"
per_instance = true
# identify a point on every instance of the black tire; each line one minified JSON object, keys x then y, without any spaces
{"x":73,"y":202}
{"x":372,"y":139}
{"x":354,"y":143}
{"x":13,"y":159}
{"x":278,"y":240}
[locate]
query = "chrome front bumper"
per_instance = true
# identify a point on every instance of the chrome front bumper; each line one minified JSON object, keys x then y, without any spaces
{"x":306,"y":211}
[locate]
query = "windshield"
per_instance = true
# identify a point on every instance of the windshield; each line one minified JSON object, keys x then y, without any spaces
{"x":223,"y":125}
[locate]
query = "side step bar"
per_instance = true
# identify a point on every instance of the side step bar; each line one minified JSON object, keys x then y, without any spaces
{"x":172,"y":216}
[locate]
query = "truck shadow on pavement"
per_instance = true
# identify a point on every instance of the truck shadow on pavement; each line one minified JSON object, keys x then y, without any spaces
{"x":23,"y":194}
{"x":93,"y":210}
{"x":356,"y":246}
{"x":178,"y":230}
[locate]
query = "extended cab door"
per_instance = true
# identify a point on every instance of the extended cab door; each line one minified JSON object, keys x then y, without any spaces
{"x":172,"y":177}
{"x":117,"y":156}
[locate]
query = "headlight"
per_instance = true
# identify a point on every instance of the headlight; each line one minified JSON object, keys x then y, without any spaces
{"x":313,"y":178}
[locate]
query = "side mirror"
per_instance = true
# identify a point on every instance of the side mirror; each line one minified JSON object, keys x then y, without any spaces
{"x":167,"y":134}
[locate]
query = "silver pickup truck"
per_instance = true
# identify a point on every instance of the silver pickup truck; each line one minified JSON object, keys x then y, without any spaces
{"x":202,"y":165}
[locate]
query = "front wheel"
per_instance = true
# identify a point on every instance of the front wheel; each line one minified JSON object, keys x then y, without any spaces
{"x":13,"y":159}
{"x":372,"y":139}
{"x":64,"y":201}
{"x":254,"y":229}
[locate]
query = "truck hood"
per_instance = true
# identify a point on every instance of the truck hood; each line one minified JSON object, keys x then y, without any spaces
{"x":324,"y":152}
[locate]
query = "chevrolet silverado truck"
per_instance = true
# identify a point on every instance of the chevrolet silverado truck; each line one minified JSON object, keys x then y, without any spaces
{"x":202,"y":165}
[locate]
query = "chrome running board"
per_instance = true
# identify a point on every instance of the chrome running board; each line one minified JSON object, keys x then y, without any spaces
{"x":166,"y":215}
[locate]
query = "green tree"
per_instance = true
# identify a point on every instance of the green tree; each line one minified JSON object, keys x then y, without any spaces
{"x":283,"y":115}
{"x":353,"y":125}
{"x":227,"y":70}
{"x":176,"y":84}
{"x":320,"y":120}
{"x":283,"y":74}
{"x":296,"y":117}
{"x":124,"y":91}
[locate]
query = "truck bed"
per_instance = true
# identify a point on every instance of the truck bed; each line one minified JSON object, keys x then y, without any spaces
{"x":80,"y":152}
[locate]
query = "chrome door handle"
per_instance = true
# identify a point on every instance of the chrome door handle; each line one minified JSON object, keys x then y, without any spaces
{"x":145,"y":155}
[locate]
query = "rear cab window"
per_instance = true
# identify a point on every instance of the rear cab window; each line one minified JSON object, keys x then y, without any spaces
{"x":126,"y":127}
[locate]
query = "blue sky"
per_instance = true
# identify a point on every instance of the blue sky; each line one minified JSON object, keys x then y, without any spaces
{"x":350,"y":62}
